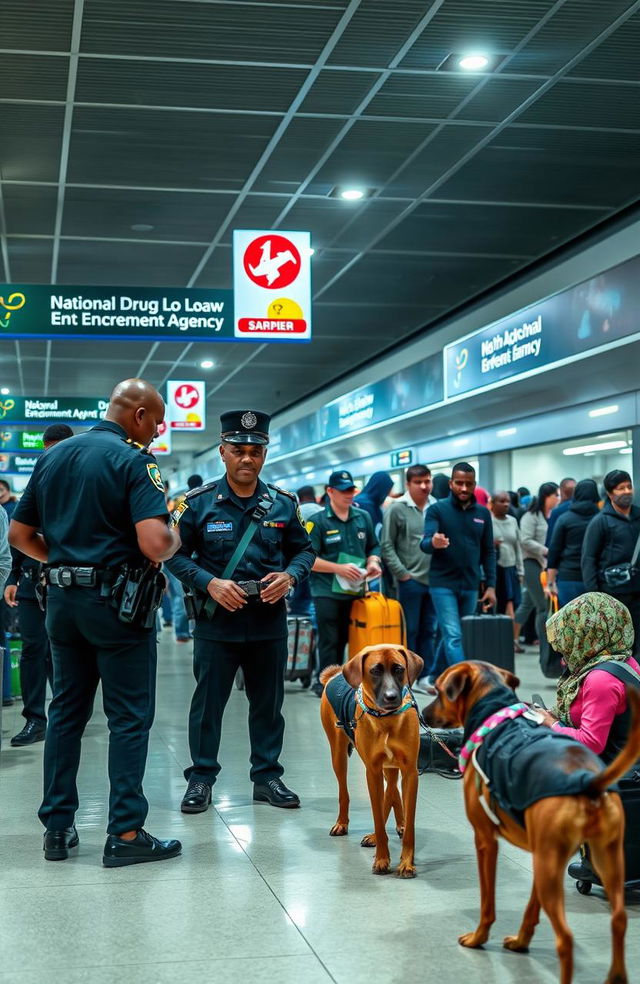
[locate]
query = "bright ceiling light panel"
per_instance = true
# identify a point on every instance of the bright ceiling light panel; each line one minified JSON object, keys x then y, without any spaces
{"x":474,"y":63}
{"x":604,"y":411}
{"x":352,"y":194}
{"x":588,"y":448}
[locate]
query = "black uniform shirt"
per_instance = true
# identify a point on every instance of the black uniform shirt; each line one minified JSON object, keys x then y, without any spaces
{"x":210,"y":529}
{"x":331,"y":536}
{"x":88,"y":492}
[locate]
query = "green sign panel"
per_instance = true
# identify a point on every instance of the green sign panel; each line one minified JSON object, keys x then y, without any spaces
{"x":48,"y":410}
{"x":401,"y":459}
{"x":142,"y":313}
{"x":12,"y":439}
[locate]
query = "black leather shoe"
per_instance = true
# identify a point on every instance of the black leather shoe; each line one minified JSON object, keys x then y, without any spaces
{"x":275,"y":792}
{"x":197,"y":798}
{"x":143,"y":847}
{"x":32,"y":732}
{"x":58,"y":843}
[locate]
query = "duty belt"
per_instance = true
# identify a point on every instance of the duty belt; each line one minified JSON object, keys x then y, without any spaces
{"x":74,"y":577}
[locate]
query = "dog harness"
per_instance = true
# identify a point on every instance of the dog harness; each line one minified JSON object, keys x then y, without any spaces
{"x":487,"y":726}
{"x":343,"y":699}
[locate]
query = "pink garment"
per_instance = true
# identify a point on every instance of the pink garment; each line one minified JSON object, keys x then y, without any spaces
{"x":482,"y":496}
{"x":600,"y":698}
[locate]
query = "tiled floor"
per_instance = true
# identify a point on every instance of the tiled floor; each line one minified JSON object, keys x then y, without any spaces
{"x":261,"y":894}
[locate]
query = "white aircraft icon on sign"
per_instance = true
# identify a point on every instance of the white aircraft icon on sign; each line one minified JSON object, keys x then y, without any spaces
{"x":269,"y":266}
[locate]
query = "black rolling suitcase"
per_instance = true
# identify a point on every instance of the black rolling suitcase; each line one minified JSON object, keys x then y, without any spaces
{"x":489,"y":637}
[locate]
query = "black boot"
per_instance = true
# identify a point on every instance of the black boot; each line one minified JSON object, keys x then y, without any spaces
{"x":57,"y":843}
{"x":32,"y":732}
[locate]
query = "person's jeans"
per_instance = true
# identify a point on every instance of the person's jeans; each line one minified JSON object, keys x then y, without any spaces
{"x":568,"y":590}
{"x":451,"y":605}
{"x":533,"y":598}
{"x":420,"y":616}
{"x":180,"y":620}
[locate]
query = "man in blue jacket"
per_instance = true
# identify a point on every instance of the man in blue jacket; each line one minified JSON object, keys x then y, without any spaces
{"x":458,"y":533}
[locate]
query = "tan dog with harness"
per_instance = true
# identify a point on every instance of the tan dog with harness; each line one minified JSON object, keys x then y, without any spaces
{"x":552,"y":826}
{"x":368,"y":704}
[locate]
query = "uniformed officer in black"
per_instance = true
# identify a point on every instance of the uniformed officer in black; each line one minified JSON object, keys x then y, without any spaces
{"x":345,"y":544}
{"x":99,"y":500}
{"x":35,"y":657}
{"x":247,"y":629}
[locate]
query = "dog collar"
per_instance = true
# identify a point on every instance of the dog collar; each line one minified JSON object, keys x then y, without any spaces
{"x":487,"y":726}
{"x":407,"y":697}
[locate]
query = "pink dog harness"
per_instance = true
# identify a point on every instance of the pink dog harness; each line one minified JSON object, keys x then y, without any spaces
{"x":478,"y":736}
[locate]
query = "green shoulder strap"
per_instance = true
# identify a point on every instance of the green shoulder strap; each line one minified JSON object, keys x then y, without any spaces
{"x":265,"y":502}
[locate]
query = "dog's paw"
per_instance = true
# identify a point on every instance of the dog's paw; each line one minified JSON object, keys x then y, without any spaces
{"x":514,"y":943}
{"x":406,"y":870}
{"x":473,"y":939}
{"x":369,"y":840}
{"x":339,"y":830}
{"x":381,"y":866}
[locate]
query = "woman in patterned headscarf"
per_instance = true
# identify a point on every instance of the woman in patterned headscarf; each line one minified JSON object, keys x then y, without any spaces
{"x":594,"y":635}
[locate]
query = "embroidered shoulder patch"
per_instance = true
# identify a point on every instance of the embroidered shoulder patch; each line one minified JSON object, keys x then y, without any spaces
{"x":155,"y":476}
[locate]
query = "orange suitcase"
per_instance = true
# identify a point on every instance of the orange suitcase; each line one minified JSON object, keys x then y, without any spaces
{"x":375,"y":619}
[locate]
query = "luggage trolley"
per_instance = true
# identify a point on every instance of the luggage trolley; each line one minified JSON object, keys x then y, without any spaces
{"x":584,"y":874}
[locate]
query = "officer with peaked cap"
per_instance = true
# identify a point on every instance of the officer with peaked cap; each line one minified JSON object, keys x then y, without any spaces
{"x":243,"y":548}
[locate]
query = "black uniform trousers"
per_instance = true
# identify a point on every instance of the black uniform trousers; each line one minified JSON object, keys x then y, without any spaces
{"x":332,"y":615}
{"x":89,"y":644}
{"x":214,"y":666}
{"x":35,"y":660}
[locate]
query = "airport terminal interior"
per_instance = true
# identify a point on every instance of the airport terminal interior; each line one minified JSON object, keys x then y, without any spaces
{"x":407,"y":231}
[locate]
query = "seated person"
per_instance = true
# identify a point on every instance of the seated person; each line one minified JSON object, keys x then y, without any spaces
{"x":594,"y":635}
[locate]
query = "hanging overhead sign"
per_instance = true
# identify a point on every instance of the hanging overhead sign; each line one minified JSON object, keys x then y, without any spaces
{"x":141,"y":313}
{"x":14,"y":439}
{"x":567,"y":325}
{"x":272,"y":285}
{"x":18,"y":464}
{"x":50,"y":410}
{"x":186,"y":405}
{"x":162,"y":444}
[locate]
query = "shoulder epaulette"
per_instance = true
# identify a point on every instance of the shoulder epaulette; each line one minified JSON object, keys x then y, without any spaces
{"x":286,"y":492}
{"x":207,"y":487}
{"x":134,"y":444}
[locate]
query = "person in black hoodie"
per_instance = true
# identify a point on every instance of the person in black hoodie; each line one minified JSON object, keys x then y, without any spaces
{"x":564,"y":573}
{"x":610,"y":539}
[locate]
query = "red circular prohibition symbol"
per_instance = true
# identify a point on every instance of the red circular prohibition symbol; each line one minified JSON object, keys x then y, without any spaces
{"x":272,"y":261}
{"x":186,"y":396}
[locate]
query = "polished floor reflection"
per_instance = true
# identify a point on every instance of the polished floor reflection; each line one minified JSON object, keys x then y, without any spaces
{"x":262,"y":894}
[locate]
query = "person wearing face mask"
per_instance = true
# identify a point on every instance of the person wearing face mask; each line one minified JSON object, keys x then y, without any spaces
{"x":610,"y":540}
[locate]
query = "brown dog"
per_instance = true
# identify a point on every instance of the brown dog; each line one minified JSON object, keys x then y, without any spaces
{"x":553,"y":827}
{"x":386,"y":735}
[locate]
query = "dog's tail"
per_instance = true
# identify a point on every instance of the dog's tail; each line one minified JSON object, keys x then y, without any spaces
{"x":329,"y":672}
{"x":629,"y":754}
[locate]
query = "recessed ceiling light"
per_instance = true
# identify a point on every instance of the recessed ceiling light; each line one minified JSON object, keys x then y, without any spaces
{"x":474,"y":63}
{"x":352,"y":194}
{"x":601,"y":446}
{"x":625,"y":451}
{"x":507,"y":431}
{"x":604,"y":411}
{"x":141,"y":227}
{"x":5,"y":391}
{"x":206,"y":364}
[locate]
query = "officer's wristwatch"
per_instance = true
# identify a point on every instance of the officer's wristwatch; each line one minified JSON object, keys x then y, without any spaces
{"x":292,"y":582}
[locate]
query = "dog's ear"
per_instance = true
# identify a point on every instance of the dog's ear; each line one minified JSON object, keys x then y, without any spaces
{"x":415,"y":664}
{"x":457,"y":685}
{"x":353,"y":669}
{"x":511,"y":680}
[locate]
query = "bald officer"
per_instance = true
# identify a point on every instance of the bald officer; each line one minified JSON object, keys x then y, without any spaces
{"x":241,"y":614}
{"x":99,"y":501}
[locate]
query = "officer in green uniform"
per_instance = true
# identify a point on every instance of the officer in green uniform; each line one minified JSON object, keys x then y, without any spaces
{"x":346,"y":546}
{"x":99,"y":501}
{"x":241,"y":614}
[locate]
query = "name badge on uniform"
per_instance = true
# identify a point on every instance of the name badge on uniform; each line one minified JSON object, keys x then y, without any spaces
{"x":333,"y":539}
{"x":477,"y":520}
{"x":219,"y":527}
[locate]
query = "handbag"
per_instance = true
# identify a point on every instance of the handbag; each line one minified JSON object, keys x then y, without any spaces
{"x":620,"y":574}
{"x":439,"y":750}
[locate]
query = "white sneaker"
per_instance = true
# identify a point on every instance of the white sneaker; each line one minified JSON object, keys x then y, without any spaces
{"x":425,"y":685}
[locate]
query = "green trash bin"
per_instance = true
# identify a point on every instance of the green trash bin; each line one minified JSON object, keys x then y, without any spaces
{"x":15,"y":649}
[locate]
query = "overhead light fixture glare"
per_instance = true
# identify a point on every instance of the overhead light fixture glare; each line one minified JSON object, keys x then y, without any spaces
{"x":589,"y":448}
{"x":604,"y":411}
